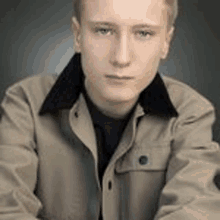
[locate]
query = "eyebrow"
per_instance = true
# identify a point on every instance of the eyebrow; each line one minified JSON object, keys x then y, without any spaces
{"x":112,"y":24}
{"x":94,"y":23}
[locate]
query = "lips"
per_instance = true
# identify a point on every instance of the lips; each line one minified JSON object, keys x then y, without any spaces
{"x":119,"y":77}
{"x":115,"y":80}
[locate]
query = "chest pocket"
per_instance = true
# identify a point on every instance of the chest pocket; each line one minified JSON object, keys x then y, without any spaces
{"x":148,"y":157}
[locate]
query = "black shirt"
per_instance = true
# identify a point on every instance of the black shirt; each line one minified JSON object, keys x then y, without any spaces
{"x":108,"y":134}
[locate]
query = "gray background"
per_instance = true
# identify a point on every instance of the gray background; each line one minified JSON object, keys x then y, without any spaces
{"x":36,"y":37}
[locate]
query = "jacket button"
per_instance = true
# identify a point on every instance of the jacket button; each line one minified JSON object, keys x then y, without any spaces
{"x":143,"y":160}
{"x":109,"y":185}
{"x":76,"y":114}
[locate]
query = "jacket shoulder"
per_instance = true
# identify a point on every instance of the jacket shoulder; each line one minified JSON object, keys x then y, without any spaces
{"x":35,"y":82}
{"x":186,"y":99}
{"x":32,"y":90}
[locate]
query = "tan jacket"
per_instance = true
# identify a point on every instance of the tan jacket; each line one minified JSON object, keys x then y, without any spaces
{"x":163,"y":168}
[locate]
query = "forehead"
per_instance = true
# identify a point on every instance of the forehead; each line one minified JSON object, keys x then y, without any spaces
{"x":126,"y":11}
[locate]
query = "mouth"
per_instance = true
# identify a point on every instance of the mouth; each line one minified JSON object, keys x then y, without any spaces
{"x":119,"y":77}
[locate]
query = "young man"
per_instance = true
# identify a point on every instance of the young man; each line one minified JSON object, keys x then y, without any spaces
{"x":110,"y":138}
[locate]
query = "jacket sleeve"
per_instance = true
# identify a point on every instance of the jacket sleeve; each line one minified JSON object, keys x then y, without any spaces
{"x":18,"y":160}
{"x":190,"y":191}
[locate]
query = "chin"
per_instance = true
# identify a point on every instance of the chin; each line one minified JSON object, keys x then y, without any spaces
{"x":119,"y":97}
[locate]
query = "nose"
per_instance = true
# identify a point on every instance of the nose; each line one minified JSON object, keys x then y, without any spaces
{"x":122,"y":52}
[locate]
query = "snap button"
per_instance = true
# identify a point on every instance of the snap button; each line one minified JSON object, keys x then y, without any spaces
{"x":109,"y":185}
{"x":76,"y":114}
{"x":143,"y":160}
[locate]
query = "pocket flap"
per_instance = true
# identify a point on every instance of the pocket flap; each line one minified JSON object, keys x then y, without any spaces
{"x":152,"y":157}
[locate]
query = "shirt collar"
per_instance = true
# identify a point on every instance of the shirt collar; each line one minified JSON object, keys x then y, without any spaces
{"x":66,"y":90}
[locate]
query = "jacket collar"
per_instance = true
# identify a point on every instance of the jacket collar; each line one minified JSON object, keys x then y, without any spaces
{"x":66,"y":90}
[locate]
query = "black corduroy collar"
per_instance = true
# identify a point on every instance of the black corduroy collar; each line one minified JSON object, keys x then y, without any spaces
{"x":66,"y":90}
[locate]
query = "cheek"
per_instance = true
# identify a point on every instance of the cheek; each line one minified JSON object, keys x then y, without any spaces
{"x":96,"y":48}
{"x":150,"y":51}
{"x":148,"y":59}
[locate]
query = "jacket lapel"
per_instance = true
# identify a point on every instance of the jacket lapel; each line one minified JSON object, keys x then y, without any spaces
{"x":77,"y":121}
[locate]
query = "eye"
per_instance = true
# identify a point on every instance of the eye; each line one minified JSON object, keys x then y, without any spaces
{"x":104,"y":31}
{"x":143,"y":34}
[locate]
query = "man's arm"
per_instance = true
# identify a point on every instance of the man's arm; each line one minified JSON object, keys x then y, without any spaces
{"x":190,"y":192}
{"x":18,"y":160}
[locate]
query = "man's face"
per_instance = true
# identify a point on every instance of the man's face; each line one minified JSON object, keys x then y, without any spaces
{"x":121,"y":43}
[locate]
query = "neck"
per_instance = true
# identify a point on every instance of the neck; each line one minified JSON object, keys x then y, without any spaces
{"x":115,"y":110}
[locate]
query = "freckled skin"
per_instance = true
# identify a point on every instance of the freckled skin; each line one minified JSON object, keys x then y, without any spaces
{"x":122,"y":43}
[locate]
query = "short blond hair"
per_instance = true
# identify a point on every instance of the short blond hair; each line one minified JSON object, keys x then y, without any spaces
{"x":172,"y":10}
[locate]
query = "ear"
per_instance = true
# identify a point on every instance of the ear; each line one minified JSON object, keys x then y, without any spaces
{"x":77,"y":34}
{"x":166,"y":47}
